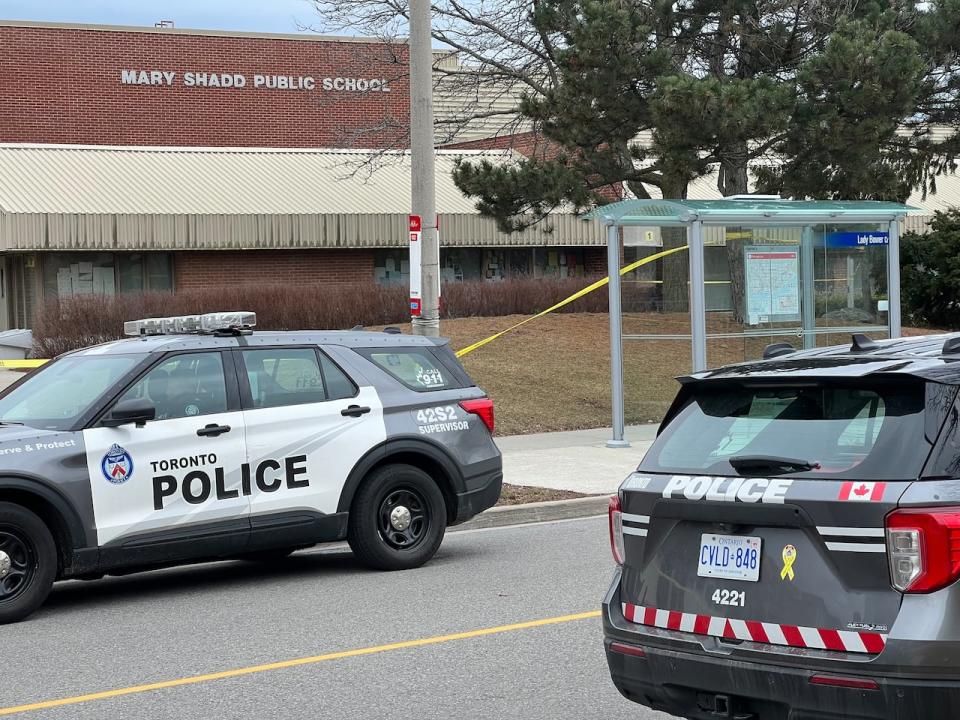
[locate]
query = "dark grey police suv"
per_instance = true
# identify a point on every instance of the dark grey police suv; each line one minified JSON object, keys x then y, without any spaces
{"x":789,"y":548}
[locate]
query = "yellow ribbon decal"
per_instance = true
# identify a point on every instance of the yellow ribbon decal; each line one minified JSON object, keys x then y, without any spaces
{"x":577,"y":295}
{"x":789,"y":557}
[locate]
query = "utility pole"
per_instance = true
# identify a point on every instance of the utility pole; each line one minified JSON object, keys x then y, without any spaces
{"x":425,"y":299}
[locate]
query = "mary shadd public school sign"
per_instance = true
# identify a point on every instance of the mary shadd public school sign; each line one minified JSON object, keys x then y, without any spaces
{"x":168,"y":78}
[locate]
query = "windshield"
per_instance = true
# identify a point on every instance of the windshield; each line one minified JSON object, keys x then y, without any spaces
{"x":57,"y":395}
{"x":834,"y":431}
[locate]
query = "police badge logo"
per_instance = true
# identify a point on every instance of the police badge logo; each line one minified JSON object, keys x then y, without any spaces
{"x":117,"y":465}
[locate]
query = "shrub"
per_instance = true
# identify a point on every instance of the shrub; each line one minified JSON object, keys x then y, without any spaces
{"x":65,"y":324}
{"x":930,"y":273}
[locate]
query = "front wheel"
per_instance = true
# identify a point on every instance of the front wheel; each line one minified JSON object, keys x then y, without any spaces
{"x":28,"y":562}
{"x":397,"y":519}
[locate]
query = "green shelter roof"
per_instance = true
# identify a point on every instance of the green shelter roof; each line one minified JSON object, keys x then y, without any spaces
{"x":758,"y":209}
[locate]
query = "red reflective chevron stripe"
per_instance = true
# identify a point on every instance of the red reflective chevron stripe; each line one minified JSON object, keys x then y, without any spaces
{"x":701,"y":625}
{"x":649,"y":616}
{"x":831,"y":638}
{"x":767,"y":633}
{"x":757,"y":632}
{"x":793,"y":636}
{"x":873,"y":642}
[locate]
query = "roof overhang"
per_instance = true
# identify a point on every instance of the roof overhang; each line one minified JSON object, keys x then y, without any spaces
{"x":747,"y":211}
{"x":63,"y":197}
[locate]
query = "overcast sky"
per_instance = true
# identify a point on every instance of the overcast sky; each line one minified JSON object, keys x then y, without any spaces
{"x":256,"y":15}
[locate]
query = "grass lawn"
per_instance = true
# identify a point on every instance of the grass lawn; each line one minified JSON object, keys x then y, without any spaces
{"x":554,"y":373}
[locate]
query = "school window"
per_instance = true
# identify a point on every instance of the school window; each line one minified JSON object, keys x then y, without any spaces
{"x":66,"y":274}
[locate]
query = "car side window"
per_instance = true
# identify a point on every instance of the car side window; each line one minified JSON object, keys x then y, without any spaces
{"x":339,"y":386}
{"x":284,"y":376}
{"x":417,"y":369}
{"x":185,"y":385}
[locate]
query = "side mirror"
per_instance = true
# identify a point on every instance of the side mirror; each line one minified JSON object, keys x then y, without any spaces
{"x":130,"y":411}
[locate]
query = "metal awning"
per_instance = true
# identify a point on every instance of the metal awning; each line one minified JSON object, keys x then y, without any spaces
{"x":744,"y":211}
{"x":62,"y":197}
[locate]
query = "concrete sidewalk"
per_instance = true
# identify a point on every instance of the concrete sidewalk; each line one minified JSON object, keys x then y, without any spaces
{"x":577,"y":460}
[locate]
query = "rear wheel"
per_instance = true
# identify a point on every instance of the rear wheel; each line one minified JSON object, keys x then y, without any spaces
{"x":28,"y":562}
{"x":398,"y":518}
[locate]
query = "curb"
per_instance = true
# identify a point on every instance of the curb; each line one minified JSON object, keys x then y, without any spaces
{"x":537,"y":512}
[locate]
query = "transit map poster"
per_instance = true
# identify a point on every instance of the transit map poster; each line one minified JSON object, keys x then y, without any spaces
{"x":772,"y":279}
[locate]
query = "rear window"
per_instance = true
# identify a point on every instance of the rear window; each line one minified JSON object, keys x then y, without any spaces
{"x":873,"y":432}
{"x":417,"y":368}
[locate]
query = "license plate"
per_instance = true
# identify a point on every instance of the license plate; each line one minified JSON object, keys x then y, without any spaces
{"x":730,"y":557}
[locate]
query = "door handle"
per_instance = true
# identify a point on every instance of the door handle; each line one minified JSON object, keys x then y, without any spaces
{"x":354,"y":411}
{"x":213,"y":430}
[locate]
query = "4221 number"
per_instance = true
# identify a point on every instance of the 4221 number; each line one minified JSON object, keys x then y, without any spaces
{"x":736,"y":598}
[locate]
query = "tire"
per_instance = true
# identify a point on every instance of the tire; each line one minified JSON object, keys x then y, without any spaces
{"x":28,"y":562}
{"x":267,"y":556}
{"x":375,"y":533}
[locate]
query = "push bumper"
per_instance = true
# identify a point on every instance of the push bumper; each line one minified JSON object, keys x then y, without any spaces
{"x":707,"y":688}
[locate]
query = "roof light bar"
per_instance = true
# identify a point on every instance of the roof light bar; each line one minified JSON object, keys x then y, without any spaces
{"x":186,"y":324}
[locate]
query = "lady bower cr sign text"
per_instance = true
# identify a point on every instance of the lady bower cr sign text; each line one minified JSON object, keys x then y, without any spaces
{"x":167,"y":78}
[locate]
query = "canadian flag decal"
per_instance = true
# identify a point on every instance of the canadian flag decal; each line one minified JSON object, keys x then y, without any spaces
{"x":862,"y":491}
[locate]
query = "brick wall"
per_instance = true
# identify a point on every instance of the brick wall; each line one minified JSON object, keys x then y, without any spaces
{"x":63,"y":85}
{"x":526,"y":143}
{"x":199,"y":269}
{"x":595,"y":260}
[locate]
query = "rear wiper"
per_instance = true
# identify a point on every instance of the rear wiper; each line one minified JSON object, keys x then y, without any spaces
{"x":769,"y":465}
{"x":10,"y":422}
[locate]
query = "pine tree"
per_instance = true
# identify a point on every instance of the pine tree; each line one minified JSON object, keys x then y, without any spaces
{"x":844,"y":140}
{"x":650,"y":95}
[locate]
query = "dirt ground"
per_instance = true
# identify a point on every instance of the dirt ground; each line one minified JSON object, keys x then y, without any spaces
{"x":554,"y":372}
{"x":520,"y":494}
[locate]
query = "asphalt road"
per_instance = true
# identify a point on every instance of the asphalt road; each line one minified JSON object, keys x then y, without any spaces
{"x":125,"y":632}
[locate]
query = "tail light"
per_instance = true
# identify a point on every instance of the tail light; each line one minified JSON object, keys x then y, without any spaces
{"x":616,"y":529}
{"x":482,"y":408}
{"x":627,"y":649}
{"x":923,"y":547}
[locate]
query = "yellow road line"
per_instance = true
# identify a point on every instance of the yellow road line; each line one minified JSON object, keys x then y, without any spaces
{"x":299,"y":662}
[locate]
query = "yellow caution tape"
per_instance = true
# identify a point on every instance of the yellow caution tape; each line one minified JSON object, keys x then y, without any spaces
{"x":30,"y":364}
{"x":566,"y":301}
{"x":21,"y":364}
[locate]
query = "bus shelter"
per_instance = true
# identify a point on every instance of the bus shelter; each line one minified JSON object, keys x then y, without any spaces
{"x":754,"y":268}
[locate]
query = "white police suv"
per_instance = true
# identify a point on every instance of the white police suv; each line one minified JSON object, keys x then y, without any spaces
{"x":198,"y":439}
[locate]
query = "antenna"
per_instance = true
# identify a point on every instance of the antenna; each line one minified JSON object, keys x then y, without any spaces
{"x":163,"y":24}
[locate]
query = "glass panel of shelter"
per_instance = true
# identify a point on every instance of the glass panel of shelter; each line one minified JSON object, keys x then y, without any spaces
{"x":810,"y":286}
{"x":655,"y":320}
{"x":84,"y":273}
